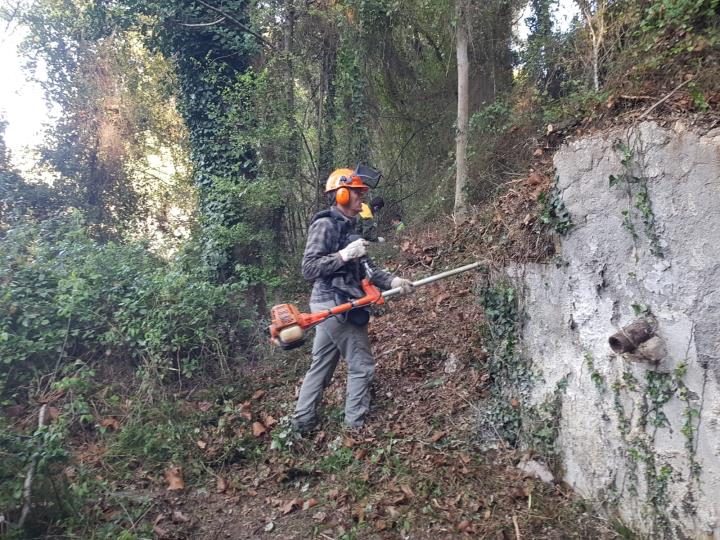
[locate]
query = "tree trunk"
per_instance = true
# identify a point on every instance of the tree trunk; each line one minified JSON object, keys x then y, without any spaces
{"x":292,"y":152}
{"x":289,"y":49}
{"x":594,"y":13}
{"x":463,"y":72}
{"x":326,"y":120}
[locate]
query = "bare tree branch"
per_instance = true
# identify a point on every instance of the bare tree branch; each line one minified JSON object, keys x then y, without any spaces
{"x":240,"y":24}
{"x":27,"y":486}
{"x":663,"y":100}
{"x":9,"y":14}
{"x":195,"y":25}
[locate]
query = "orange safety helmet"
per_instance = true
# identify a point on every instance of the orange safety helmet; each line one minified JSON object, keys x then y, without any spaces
{"x":340,"y":181}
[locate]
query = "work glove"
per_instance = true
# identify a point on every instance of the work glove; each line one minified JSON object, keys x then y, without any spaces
{"x":405,"y":284}
{"x":353,"y":250}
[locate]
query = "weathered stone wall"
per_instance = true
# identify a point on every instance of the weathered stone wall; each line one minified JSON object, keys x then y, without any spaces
{"x":642,"y":439}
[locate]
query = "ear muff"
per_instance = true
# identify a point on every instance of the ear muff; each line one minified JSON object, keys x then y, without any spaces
{"x":342,"y":196}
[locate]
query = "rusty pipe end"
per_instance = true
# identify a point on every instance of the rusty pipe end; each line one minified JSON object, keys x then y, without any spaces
{"x":620,"y":344}
{"x":631,"y":336}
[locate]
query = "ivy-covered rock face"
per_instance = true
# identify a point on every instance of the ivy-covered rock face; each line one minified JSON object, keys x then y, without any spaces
{"x":634,"y":427}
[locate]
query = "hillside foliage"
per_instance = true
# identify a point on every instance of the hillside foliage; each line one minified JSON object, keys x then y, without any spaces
{"x":170,"y":200}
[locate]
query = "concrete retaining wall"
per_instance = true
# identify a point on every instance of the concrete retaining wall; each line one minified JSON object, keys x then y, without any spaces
{"x":642,"y":439}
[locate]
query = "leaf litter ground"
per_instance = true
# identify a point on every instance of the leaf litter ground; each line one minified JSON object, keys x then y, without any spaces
{"x":418,"y":469}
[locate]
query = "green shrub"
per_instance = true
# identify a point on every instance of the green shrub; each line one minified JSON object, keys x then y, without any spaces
{"x":65,"y":297}
{"x":49,"y":494}
{"x":674,"y":15}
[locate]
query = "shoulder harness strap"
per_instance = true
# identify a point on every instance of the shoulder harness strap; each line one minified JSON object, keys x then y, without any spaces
{"x":342,"y":226}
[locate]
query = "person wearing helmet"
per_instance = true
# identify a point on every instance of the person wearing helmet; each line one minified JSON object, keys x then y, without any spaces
{"x":336,"y":261}
{"x":367,"y":227}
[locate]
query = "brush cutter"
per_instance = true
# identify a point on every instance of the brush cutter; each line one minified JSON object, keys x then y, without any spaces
{"x":289,"y":325}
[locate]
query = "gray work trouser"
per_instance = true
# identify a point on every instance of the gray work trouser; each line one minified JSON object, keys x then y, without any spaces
{"x":334,"y":339}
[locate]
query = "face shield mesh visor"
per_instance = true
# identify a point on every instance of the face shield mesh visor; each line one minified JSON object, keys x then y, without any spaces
{"x":370,"y":177}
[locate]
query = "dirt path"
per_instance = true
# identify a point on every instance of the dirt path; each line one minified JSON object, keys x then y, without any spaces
{"x":416,"y":470}
{"x":420,"y":468}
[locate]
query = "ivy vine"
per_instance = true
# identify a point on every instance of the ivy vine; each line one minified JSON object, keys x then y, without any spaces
{"x":635,"y":183}
{"x":511,"y":377}
{"x":554,"y":212}
{"x":651,"y":397}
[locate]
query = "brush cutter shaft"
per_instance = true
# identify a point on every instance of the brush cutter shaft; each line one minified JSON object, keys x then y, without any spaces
{"x":431,"y":279}
{"x":289,"y":324}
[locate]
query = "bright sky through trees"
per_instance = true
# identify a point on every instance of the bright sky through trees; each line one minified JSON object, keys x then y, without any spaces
{"x":22,"y":104}
{"x":21,"y":100}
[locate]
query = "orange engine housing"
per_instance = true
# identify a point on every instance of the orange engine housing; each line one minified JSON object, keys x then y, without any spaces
{"x":283,"y":316}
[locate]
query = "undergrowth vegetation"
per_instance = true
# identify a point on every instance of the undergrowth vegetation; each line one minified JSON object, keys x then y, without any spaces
{"x":138,"y":358}
{"x":648,"y":49}
{"x":67,"y":298}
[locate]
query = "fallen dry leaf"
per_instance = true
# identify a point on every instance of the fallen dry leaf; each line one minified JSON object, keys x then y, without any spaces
{"x":474,"y":506}
{"x":437,"y":436}
{"x":258,"y":395}
{"x":407,"y":491}
{"x":202,"y":445}
{"x":160,"y":532}
{"x":204,"y":406}
{"x":309,"y":504}
{"x":246,"y":411}
{"x":349,"y":442}
{"x":109,"y":515}
{"x":392,"y":512}
{"x":319,"y":516}
{"x":521,"y":492}
{"x":358,"y":511}
{"x":269,"y":421}
{"x":437,"y":505}
{"x":221,"y":484}
{"x":258,"y":429}
{"x":110,"y":423}
{"x":291,"y":505}
{"x":534,"y":178}
{"x":174,"y":478}
{"x":53,"y":413}
{"x":179,"y":517}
